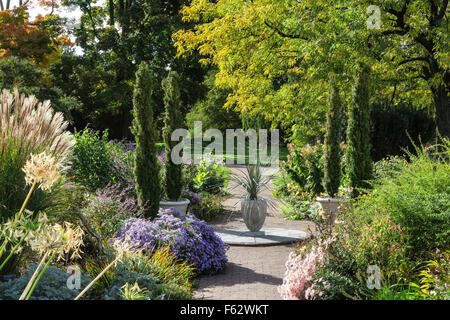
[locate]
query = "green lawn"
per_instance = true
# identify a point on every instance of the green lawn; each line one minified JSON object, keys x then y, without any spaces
{"x":283,"y":152}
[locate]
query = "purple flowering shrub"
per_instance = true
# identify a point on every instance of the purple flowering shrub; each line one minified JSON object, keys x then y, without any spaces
{"x":122,"y":162}
{"x":107,"y":208}
{"x":191,"y":239}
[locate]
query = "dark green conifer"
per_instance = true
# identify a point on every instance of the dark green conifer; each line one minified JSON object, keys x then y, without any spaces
{"x":358,"y":133}
{"x":173,"y":120}
{"x":332,"y":164}
{"x":146,"y":168}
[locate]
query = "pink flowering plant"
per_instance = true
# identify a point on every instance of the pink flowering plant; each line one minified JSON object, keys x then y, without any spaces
{"x":298,"y":281}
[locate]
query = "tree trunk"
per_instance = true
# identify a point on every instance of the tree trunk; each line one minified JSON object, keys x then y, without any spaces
{"x":441,"y":97}
{"x":111,"y":12}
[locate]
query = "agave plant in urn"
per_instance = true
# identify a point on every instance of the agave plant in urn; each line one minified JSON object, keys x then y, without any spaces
{"x":253,"y":207}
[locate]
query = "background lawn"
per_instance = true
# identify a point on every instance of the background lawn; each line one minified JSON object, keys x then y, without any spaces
{"x":283,"y":152}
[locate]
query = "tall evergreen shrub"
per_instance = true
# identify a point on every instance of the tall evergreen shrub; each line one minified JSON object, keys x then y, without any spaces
{"x":146,"y":164}
{"x":358,"y":133}
{"x":173,"y":120}
{"x":332,"y":167}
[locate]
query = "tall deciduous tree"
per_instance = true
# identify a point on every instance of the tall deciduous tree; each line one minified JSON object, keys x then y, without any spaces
{"x":173,"y":120}
{"x":360,"y":165}
{"x":39,"y":41}
{"x":332,"y":163}
{"x":276,"y":56}
{"x":146,"y":163}
{"x":116,"y":35}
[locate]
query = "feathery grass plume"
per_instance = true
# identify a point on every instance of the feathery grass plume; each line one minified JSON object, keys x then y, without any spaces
{"x":32,"y":126}
{"x":27,"y":127}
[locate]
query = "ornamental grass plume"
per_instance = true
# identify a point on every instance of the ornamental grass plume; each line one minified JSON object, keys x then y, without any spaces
{"x":27,"y":127}
{"x":32,"y":126}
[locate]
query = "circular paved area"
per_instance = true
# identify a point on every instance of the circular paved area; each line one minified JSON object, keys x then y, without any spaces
{"x":264,"y":237}
{"x":253,"y":272}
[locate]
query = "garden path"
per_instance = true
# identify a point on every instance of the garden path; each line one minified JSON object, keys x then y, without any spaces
{"x":253,"y":273}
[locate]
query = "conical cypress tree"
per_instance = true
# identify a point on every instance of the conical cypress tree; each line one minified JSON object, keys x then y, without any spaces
{"x":147,"y":167}
{"x":358,"y":133}
{"x":332,"y":164}
{"x":173,"y":120}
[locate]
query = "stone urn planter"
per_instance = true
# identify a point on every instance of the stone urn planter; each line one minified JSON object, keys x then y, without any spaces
{"x":181,"y":205}
{"x":332,"y":207}
{"x":254,"y":213}
{"x":253,"y":208}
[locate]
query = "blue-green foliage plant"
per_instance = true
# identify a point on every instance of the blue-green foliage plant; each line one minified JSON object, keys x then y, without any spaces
{"x":51,"y":286}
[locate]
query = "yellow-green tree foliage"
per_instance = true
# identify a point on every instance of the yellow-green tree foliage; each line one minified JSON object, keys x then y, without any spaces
{"x":276,"y":56}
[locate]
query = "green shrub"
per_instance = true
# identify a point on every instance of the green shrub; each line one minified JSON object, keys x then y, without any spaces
{"x":302,"y":210}
{"x":418,"y":198}
{"x":206,"y":178}
{"x":304,"y":168}
{"x":51,"y":286}
{"x":335,"y":283}
{"x":404,"y":217}
{"x":145,"y":281}
{"x":108,"y":208}
{"x":373,"y":238}
{"x":299,"y":181}
{"x":435,"y":279}
{"x":209,"y":207}
{"x":92,"y":162}
{"x":396,"y":292}
{"x":388,"y":167}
